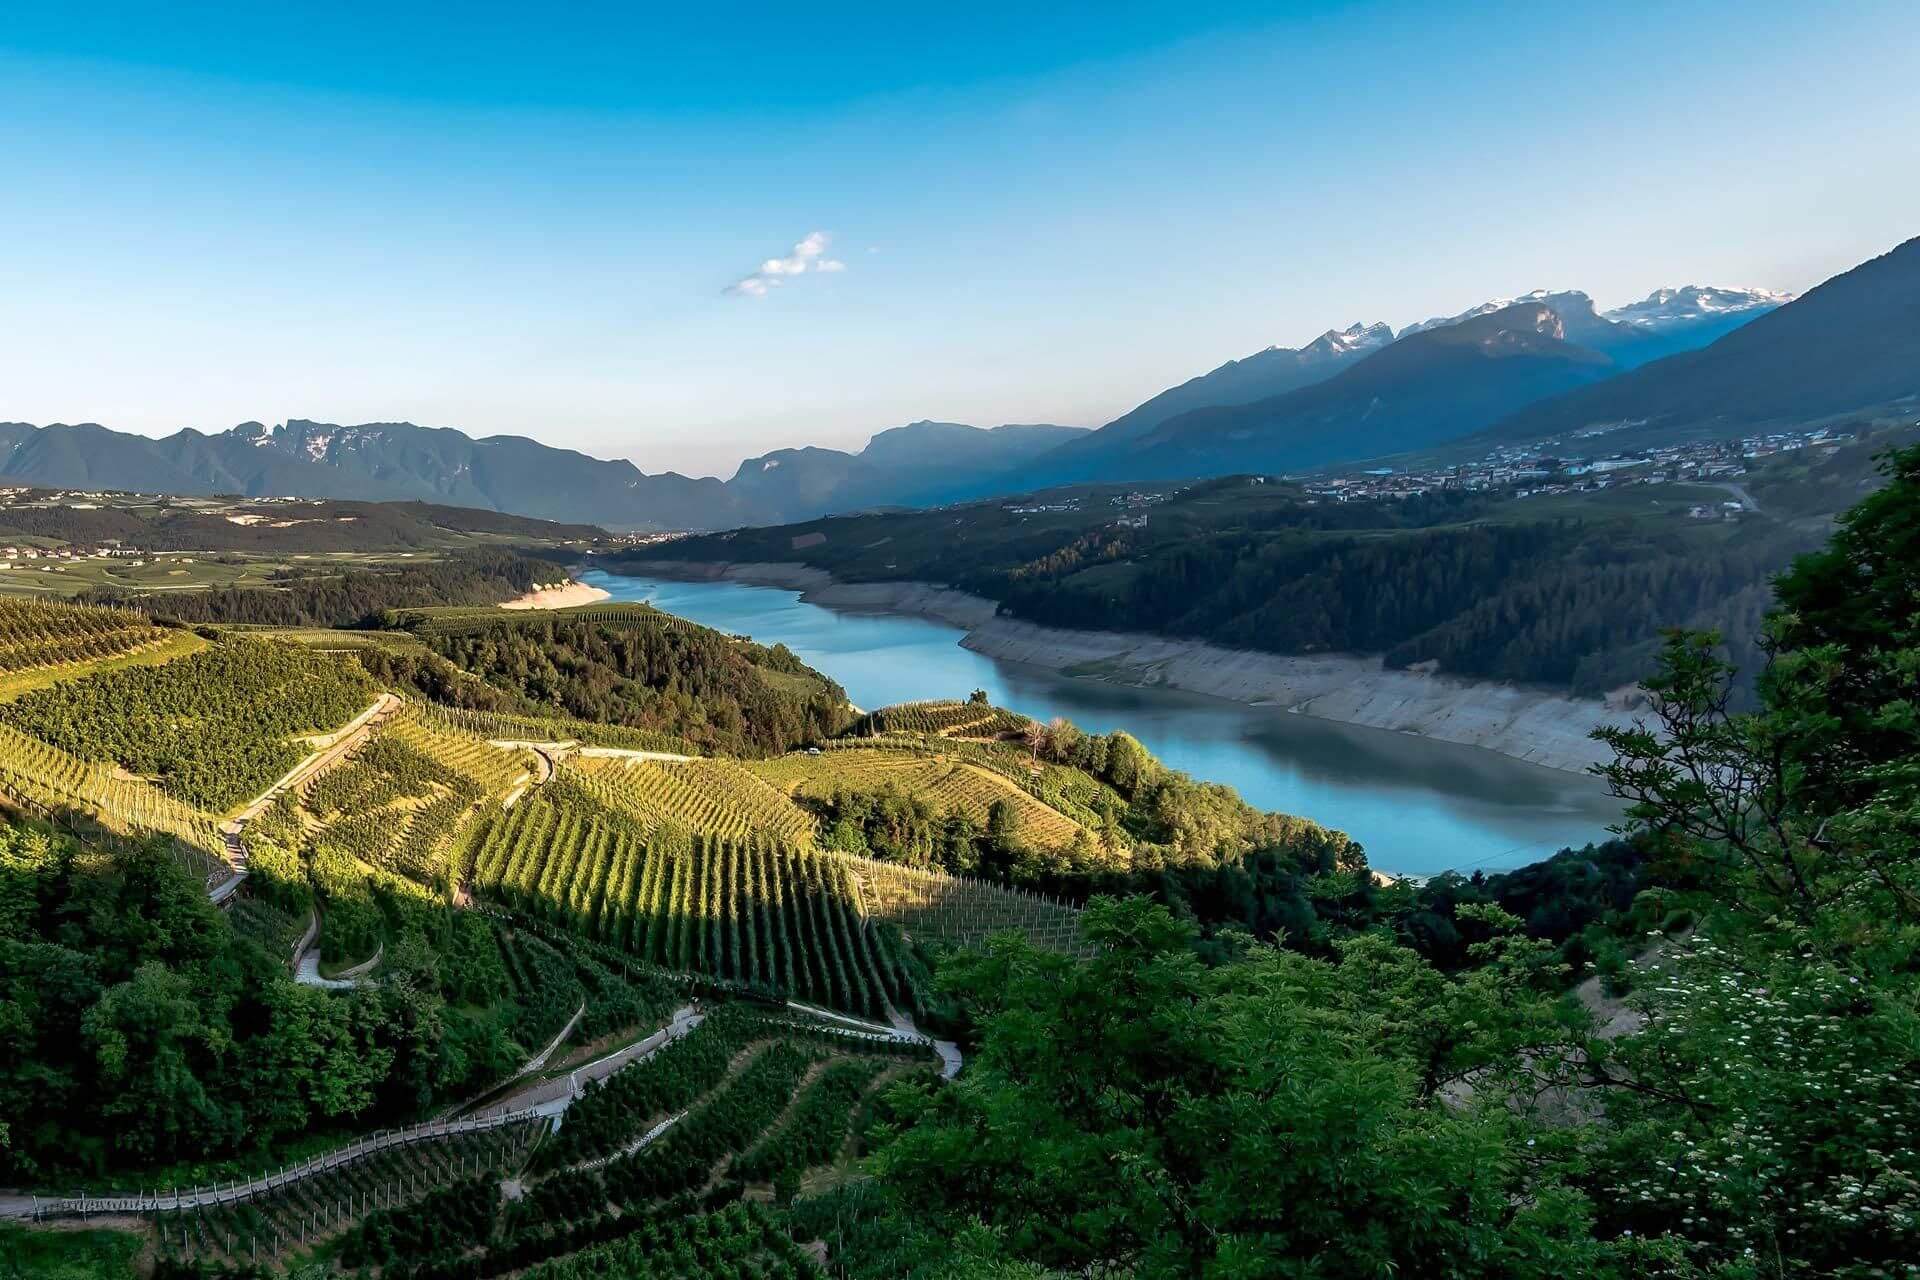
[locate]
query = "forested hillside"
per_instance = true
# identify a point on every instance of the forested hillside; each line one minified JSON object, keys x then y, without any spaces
{"x":1568,"y":590}
{"x":634,"y":666}
{"x":171,"y":522}
{"x":323,"y":599}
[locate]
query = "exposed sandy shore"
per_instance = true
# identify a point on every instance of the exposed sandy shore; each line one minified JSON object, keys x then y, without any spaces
{"x":1536,"y":725}
{"x":550,"y":596}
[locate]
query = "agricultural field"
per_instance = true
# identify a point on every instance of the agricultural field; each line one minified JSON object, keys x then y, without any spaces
{"x":945,"y":719}
{"x":508,"y":726}
{"x":484,"y":922}
{"x":392,"y":805}
{"x":49,"y":782}
{"x":740,"y":1110}
{"x":712,"y":797}
{"x":43,"y":643}
{"x":960,"y":910}
{"x":54,"y":579}
{"x":212,"y":728}
{"x":746,"y":911}
{"x":945,"y":782}
{"x":307,"y":1214}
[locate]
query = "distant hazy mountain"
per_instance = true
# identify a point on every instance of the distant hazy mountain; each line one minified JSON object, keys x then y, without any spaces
{"x":1360,"y":392}
{"x":899,"y":465}
{"x":1095,"y":454}
{"x":1850,"y":344}
{"x":385,"y":461}
{"x":1425,"y":388}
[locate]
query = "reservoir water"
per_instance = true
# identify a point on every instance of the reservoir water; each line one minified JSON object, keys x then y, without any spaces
{"x":1417,"y":805}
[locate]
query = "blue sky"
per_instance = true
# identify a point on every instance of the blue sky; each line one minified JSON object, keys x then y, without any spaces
{"x":528,"y":219}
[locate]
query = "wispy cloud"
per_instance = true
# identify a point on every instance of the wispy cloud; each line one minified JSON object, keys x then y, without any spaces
{"x":808,"y":255}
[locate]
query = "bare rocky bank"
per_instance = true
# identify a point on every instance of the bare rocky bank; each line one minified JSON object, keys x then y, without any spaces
{"x":1539,"y":726}
{"x":555,"y":595}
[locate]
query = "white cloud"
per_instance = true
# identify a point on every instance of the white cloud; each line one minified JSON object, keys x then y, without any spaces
{"x":808,"y":255}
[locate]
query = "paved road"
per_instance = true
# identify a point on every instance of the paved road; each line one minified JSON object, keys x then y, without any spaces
{"x":898,"y":1027}
{"x":306,"y":971}
{"x":574,"y":1083}
{"x":540,"y":1059}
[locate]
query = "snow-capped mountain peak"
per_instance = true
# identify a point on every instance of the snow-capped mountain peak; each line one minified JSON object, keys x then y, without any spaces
{"x":1358,"y":336}
{"x":1665,"y":308}
{"x":1564,"y":302}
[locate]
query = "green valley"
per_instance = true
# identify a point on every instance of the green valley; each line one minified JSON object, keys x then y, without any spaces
{"x":462,"y":942}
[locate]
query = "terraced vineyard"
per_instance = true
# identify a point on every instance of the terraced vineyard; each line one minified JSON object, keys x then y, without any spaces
{"x":500,"y":725}
{"x":713,"y":797}
{"x":392,"y":805}
{"x":38,"y":633}
{"x":52,"y":783}
{"x":212,"y":728}
{"x":945,"y":782}
{"x":494,"y":770}
{"x":740,"y":1240}
{"x":286,"y":1219}
{"x":609,"y":894}
{"x":748,"y":911}
{"x":961,"y":911}
{"x":745,"y":1099}
{"x":946,"y":719}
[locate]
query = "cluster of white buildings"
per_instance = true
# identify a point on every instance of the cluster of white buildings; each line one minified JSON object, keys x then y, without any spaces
{"x":1547,"y":467}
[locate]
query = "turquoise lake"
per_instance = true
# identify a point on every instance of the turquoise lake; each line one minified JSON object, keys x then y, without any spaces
{"x":1417,"y":805}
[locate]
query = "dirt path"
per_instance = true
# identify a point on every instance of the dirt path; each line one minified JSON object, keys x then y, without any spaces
{"x":1612,"y":1015}
{"x":554,"y":752}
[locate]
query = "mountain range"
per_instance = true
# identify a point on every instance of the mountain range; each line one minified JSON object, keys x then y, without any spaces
{"x":1365,"y":391}
{"x":397,"y":461}
{"x":1427,"y":388}
{"x":1851,"y":344}
{"x":1694,"y":358}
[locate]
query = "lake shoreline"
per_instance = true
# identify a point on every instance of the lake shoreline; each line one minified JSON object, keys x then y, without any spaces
{"x":565,"y":596}
{"x":1538,"y":726}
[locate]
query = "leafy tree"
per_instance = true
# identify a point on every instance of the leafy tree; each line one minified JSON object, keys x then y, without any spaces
{"x":1768,"y":1112}
{"x":1141,"y":1113}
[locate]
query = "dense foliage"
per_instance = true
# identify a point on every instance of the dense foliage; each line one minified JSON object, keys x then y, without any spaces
{"x":140,"y":1029}
{"x":739,"y":1240}
{"x":349,"y":599}
{"x":645,"y":670}
{"x":682,"y":1158}
{"x":1571,"y":590}
{"x":212,"y":728}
